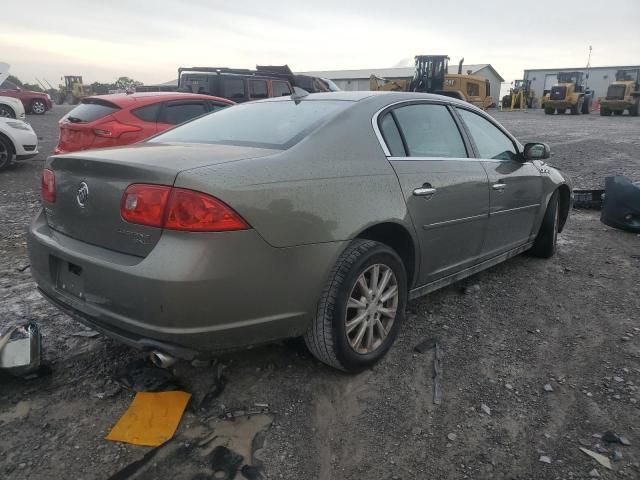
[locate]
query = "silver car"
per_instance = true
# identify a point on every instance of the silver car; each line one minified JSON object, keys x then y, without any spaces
{"x":315,"y":216}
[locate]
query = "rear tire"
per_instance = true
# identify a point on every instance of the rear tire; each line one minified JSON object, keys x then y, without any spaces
{"x":575,"y":109}
{"x":347,"y":301}
{"x":6,"y":153}
{"x":561,"y":111}
{"x":617,"y":113}
{"x":38,"y":107}
{"x":544,"y":246}
{"x":7,"y":112}
{"x":548,"y":110}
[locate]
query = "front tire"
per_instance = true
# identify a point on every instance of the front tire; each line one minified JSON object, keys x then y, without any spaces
{"x":38,"y":107}
{"x":549,"y":110}
{"x":6,"y":153}
{"x":361,"y":307}
{"x":7,"y":112}
{"x":605,"y":112}
{"x":544,"y":246}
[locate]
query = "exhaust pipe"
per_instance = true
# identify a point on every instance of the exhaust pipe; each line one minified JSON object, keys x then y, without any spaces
{"x":161,"y":359}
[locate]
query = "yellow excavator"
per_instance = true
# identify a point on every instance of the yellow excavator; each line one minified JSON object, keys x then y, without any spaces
{"x":73,"y":90}
{"x":623,"y":94}
{"x":431,"y":76}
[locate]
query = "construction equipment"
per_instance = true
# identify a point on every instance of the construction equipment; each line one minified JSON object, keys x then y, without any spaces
{"x":73,"y":90}
{"x":569,"y":93}
{"x":623,"y":94}
{"x":520,"y":96}
{"x":430,"y":76}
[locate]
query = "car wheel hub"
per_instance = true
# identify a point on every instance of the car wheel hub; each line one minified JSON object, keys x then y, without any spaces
{"x":38,"y":107}
{"x":371,"y":308}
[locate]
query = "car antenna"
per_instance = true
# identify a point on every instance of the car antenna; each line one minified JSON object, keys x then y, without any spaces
{"x":298,"y":94}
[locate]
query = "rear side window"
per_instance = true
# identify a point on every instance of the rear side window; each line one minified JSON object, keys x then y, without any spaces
{"x":271,"y":124}
{"x":214,"y":106}
{"x":148,"y":113}
{"x":430,"y":131}
{"x":258,"y":89}
{"x":177,"y":113}
{"x":233,"y":88}
{"x":90,"y":112}
{"x":392,"y":136}
{"x":281,"y":89}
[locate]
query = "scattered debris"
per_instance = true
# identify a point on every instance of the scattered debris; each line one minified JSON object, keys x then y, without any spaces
{"x":601,"y":459}
{"x":20,"y":347}
{"x":23,"y":268}
{"x":85,"y":333}
{"x":548,"y":388}
{"x":416,"y":431}
{"x":616,"y":456}
{"x":437,"y":375}
{"x":618,"y":379}
{"x":425,"y":345}
{"x":594,"y":473}
{"x":216,"y":389}
{"x":110,"y":391}
{"x":624,"y":441}
{"x":257,"y":409}
{"x":151,"y":419}
{"x":141,"y":376}
{"x":612,"y":437}
{"x":508,"y":386}
{"x":252,"y":473}
{"x":452,"y":437}
{"x":470,"y":290}
{"x":544,"y":459}
{"x":589,"y":199}
{"x":225,"y":463}
{"x":485,"y":409}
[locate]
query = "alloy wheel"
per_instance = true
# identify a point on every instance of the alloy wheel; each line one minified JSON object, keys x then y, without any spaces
{"x":4,"y":112}
{"x":371,"y":308}
{"x":38,"y":108}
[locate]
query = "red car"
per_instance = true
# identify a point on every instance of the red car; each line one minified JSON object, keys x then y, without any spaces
{"x":34,"y":102}
{"x":120,"y":119}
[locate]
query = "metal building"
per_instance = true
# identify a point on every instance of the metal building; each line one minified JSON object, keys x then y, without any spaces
{"x":543,"y":79}
{"x":359,"y":79}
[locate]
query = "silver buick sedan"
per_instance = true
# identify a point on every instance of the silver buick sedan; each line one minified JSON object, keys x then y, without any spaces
{"x":315,"y":216}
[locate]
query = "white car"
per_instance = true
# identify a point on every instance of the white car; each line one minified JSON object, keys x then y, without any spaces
{"x":11,"y":108}
{"x":18,"y":141}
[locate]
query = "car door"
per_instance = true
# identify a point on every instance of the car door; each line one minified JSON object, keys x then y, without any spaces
{"x":446,"y":192}
{"x":515,"y":184}
{"x":179,"y":111}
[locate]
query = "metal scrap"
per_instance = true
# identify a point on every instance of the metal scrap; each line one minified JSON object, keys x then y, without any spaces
{"x":20,"y":347}
{"x":437,"y":375}
{"x":601,"y":459}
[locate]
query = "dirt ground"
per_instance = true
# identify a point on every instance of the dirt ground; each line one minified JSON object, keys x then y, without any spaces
{"x":570,"y":323}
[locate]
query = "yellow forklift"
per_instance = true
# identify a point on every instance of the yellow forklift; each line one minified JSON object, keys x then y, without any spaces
{"x":569,"y":93}
{"x":623,"y":94}
{"x":520,"y":96}
{"x":431,"y":76}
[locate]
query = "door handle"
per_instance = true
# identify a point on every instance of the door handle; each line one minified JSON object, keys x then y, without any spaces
{"x":425,"y":191}
{"x":499,"y":186}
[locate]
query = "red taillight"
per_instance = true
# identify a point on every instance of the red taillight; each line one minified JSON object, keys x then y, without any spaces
{"x":114,"y":129}
{"x":178,"y":209}
{"x":145,"y":204}
{"x":48,"y":186}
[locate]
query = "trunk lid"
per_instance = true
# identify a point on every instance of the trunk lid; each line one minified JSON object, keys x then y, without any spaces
{"x":90,"y":185}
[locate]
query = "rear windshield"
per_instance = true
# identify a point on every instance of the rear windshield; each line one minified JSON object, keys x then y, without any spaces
{"x":89,"y":112}
{"x":277,"y":125}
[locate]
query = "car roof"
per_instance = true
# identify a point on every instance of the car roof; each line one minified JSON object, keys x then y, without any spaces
{"x":124,"y":100}
{"x":357,"y":96}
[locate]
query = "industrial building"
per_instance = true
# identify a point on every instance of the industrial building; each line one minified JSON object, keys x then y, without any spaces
{"x":543,"y":79}
{"x":359,"y":79}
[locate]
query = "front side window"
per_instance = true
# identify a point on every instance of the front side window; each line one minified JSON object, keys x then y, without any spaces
{"x":490,"y":141}
{"x":430,"y":131}
{"x":178,"y":113}
{"x":266,"y":124}
{"x":258,"y":89}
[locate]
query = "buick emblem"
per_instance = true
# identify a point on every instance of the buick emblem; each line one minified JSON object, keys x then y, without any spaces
{"x":83,"y":194}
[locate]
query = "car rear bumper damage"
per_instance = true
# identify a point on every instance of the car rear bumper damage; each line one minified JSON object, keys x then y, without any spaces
{"x":193,"y":293}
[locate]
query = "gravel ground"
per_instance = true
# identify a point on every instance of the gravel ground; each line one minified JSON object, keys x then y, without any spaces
{"x":551,"y":347}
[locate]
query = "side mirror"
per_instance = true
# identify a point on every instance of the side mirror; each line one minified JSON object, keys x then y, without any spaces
{"x":536,"y":151}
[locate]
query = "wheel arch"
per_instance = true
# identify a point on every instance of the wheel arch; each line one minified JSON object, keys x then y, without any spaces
{"x":564,"y":205}
{"x":10,"y":108}
{"x":399,"y":239}
{"x":11,"y":144}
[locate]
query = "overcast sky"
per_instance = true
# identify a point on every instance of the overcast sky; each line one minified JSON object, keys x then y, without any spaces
{"x":149,"y":39}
